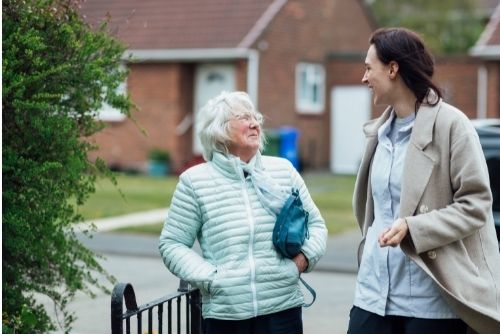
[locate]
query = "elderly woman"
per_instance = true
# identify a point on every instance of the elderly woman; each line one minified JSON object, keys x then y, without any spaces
{"x":229,"y":203}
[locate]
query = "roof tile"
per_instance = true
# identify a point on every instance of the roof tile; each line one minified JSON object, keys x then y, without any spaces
{"x":177,"y":24}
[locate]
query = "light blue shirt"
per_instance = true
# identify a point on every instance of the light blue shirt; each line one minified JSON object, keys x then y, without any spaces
{"x":389,"y":282}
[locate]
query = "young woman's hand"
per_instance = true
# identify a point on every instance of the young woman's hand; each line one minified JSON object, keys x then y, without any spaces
{"x":394,"y":235}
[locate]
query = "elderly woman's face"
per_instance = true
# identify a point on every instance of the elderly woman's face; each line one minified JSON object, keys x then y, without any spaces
{"x":244,"y":132}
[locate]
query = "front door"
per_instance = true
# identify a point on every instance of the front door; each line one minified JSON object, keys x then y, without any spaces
{"x":211,"y":79}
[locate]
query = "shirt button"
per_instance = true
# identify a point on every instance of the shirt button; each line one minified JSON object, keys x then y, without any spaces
{"x":423,"y":209}
{"x":432,"y":254}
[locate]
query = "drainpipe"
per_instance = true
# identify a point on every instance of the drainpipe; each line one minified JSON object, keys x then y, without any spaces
{"x":253,"y":76}
{"x":482,"y":91}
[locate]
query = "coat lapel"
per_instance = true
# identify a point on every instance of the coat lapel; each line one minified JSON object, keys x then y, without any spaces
{"x":419,"y":160}
{"x":361,"y":200}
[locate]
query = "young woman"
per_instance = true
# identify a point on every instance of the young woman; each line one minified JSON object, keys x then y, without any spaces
{"x":429,"y":260}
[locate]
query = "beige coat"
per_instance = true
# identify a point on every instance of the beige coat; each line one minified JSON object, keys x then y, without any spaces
{"x":448,"y":204}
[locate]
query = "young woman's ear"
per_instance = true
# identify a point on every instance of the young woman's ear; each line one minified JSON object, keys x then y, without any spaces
{"x":393,"y":69}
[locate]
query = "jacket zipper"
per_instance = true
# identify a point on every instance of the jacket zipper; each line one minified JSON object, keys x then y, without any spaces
{"x":250,"y":249}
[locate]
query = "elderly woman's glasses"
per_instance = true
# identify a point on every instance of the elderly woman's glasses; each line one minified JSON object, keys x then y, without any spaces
{"x":246,"y":117}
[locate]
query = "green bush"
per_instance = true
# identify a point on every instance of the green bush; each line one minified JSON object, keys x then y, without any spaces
{"x":56,"y":73}
{"x":159,"y":155}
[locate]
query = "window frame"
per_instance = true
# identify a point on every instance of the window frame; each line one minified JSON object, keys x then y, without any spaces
{"x":314,"y":75}
{"x":107,"y":113}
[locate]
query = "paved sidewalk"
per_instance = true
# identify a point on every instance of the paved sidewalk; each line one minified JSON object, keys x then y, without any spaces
{"x":340,"y":255}
{"x":133,"y":219}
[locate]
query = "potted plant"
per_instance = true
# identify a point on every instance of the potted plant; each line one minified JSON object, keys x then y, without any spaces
{"x":158,"y":162}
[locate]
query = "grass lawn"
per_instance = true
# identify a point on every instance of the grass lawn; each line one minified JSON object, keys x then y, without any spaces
{"x":138,"y":193}
{"x":332,"y":194}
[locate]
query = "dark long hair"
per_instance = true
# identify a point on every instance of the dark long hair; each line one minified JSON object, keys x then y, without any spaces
{"x":416,"y":64}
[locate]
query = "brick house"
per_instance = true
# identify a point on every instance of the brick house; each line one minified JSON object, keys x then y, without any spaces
{"x":186,"y":51}
{"x":301,"y":62}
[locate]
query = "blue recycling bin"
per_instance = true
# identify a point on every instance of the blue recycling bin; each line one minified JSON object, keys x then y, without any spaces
{"x":288,"y":147}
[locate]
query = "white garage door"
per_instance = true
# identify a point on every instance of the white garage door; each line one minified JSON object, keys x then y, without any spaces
{"x":351,"y":108}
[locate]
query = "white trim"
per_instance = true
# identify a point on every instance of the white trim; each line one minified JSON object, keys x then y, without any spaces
{"x":491,"y":52}
{"x":253,"y":76}
{"x":262,"y":23}
{"x":482,"y":92}
{"x":158,"y":55}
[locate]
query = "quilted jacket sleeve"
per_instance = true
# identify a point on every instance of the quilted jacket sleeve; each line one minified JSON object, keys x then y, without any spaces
{"x":314,"y":247}
{"x":179,"y":234}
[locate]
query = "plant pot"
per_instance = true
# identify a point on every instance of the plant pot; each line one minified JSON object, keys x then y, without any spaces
{"x":158,"y":168}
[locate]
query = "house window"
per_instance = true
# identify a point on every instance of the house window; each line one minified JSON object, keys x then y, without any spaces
{"x":108,"y":113}
{"x":310,"y":88}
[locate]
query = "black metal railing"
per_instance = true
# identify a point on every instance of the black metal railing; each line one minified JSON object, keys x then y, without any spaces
{"x":183,"y":311}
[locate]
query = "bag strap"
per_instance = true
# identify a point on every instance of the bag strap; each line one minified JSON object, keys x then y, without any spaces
{"x":311,"y":290}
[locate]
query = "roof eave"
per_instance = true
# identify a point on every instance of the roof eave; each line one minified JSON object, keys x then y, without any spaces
{"x":262,"y":23}
{"x":486,"y":52}
{"x":199,"y":54}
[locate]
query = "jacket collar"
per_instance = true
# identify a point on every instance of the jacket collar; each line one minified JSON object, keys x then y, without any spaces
{"x":422,"y":130}
{"x":422,"y":133}
{"x":231,"y":166}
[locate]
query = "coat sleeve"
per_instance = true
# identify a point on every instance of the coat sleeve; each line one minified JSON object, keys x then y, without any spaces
{"x":314,"y":247}
{"x":179,"y":234}
{"x":471,"y":204}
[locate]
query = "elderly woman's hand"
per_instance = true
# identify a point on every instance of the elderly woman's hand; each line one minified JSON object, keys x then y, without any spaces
{"x":394,"y":235}
{"x":301,"y":262}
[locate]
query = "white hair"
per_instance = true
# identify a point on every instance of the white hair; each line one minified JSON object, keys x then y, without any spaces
{"x":214,"y":121}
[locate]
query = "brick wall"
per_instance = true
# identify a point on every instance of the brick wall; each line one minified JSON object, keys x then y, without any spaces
{"x":493,"y":97}
{"x":163,"y":95}
{"x":457,"y":77}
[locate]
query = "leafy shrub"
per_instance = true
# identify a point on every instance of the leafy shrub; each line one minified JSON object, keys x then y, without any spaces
{"x":56,"y":73}
{"x":159,"y":155}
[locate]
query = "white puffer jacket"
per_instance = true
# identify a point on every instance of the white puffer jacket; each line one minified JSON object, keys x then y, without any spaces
{"x":240,"y":274}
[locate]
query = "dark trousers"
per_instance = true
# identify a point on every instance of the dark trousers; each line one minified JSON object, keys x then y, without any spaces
{"x":284,"y":322}
{"x":364,"y":322}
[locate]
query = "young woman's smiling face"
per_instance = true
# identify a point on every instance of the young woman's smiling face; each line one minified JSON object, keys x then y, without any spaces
{"x":378,"y":78}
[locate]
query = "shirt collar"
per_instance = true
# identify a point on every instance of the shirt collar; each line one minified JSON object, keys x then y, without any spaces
{"x":406,"y":122}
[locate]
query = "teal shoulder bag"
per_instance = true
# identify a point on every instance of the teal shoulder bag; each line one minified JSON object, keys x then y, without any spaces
{"x":291,"y":230}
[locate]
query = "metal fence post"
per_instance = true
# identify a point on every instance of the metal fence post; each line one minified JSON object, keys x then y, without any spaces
{"x":121,"y":291}
{"x":124,"y":292}
{"x":196,"y":319}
